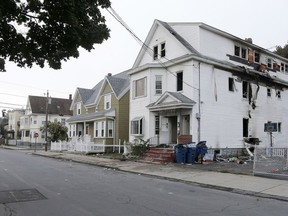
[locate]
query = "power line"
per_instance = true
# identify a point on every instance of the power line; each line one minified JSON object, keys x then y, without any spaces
{"x":11,"y":104}
{"x":13,"y":95}
{"x":147,"y":49}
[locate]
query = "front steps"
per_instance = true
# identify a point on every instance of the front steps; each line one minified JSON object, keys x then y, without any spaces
{"x":158,"y":155}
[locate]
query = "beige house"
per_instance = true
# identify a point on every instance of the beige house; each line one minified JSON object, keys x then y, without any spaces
{"x":102,"y":113}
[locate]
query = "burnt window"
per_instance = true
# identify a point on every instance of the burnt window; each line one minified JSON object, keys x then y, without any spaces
{"x":180,"y":81}
{"x":278,"y":94}
{"x":269,"y":63}
{"x":269,"y":92}
{"x":163,"y":50}
{"x":243,"y":53}
{"x":245,"y":89}
{"x":256,"y":57}
{"x":231,"y":84}
{"x":155,"y":52}
{"x":236,"y":50}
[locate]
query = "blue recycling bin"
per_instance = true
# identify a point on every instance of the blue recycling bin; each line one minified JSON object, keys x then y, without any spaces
{"x":180,"y":153}
{"x":201,"y":150}
{"x":191,"y":154}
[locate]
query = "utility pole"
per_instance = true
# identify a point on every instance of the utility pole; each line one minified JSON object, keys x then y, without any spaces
{"x":46,"y":122}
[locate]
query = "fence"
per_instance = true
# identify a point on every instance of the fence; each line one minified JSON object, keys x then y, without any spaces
{"x":271,"y":162}
{"x":84,"y":146}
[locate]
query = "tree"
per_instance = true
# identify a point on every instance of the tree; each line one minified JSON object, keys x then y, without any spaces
{"x":39,"y":31}
{"x":282,"y":51}
{"x":57,"y":131}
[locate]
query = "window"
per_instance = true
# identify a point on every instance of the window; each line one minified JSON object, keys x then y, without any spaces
{"x":245,"y":89}
{"x":63,"y":121}
{"x":243,"y":53}
{"x":286,"y":68}
{"x":282,"y":67}
{"x":99,"y":129}
{"x":237,"y":50}
{"x":27,"y":133}
{"x":162,"y":51}
{"x":155,"y":52}
{"x":157,"y":124}
{"x":269,"y":63}
{"x":231,"y":84}
{"x":35,"y":122}
{"x":279,"y":127}
{"x":158,"y":84}
{"x":107,"y":102}
{"x":78,"y":108}
{"x":269,"y":92}
{"x":110,"y":128}
{"x":140,"y":87}
{"x":157,"y":48}
{"x":278,"y":94}
{"x":256,"y":57}
{"x":180,"y":81}
{"x":137,"y":126}
{"x":87,"y":129}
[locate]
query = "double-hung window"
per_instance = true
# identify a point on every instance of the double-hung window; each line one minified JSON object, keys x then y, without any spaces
{"x":110,"y":128}
{"x":158,"y":84}
{"x":78,"y":108}
{"x":99,"y":129}
{"x":107,"y":102}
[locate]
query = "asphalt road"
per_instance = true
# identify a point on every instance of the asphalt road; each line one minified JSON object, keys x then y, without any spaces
{"x":36,"y":186}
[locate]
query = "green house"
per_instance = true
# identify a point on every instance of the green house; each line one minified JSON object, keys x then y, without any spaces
{"x":101,"y":114}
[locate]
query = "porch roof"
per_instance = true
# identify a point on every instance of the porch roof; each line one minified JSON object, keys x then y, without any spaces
{"x":171,"y":100}
{"x":91,"y":116}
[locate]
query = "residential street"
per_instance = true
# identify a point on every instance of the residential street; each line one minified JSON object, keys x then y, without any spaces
{"x":33,"y":185}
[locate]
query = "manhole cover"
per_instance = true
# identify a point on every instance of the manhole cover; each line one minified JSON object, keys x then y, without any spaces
{"x":20,"y":196}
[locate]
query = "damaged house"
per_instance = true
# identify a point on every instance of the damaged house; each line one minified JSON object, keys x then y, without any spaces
{"x":194,"y":81}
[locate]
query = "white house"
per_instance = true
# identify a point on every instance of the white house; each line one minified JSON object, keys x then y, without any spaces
{"x":14,"y":122}
{"x":34,"y":120}
{"x":194,"y":79}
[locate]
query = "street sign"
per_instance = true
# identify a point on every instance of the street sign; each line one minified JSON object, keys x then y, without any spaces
{"x":36,"y":135}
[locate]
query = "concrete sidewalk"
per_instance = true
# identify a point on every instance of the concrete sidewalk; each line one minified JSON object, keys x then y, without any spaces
{"x":242,"y":184}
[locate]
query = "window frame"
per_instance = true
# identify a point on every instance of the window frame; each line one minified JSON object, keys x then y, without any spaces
{"x":231,"y":84}
{"x":78,"y":108}
{"x":137,"y":126}
{"x":179,"y":81}
{"x":135,"y":88}
{"x":107,"y":102}
{"x":158,"y":84}
{"x":157,"y":125}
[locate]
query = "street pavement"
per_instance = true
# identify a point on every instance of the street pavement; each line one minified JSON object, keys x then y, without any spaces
{"x":236,"y":183}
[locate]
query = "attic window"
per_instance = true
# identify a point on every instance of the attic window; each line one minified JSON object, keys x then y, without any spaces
{"x":159,"y":50}
{"x":155,"y":52}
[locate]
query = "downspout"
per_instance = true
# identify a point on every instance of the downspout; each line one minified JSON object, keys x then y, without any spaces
{"x":199,"y":105}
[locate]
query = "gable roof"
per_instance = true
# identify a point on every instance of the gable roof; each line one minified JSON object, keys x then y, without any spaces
{"x":171,"y":100}
{"x":58,"y":106}
{"x":118,"y":82}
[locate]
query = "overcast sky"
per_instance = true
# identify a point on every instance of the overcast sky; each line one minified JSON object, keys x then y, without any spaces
{"x":264,"y":21}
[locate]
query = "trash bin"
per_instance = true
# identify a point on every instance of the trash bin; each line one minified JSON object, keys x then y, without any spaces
{"x":201,"y":150}
{"x":180,"y":153}
{"x":191,"y":153}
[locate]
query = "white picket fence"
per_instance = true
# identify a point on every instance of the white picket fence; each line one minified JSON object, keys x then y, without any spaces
{"x":83,"y":145}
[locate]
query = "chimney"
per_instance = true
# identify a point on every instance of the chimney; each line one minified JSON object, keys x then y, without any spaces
{"x":70,"y":96}
{"x":109,"y":74}
{"x":249,"y":40}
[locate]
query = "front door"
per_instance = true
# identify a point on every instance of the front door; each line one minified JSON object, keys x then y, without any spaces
{"x":173,"y":129}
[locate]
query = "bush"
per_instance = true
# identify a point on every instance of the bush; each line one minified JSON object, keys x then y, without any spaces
{"x":139,"y":147}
